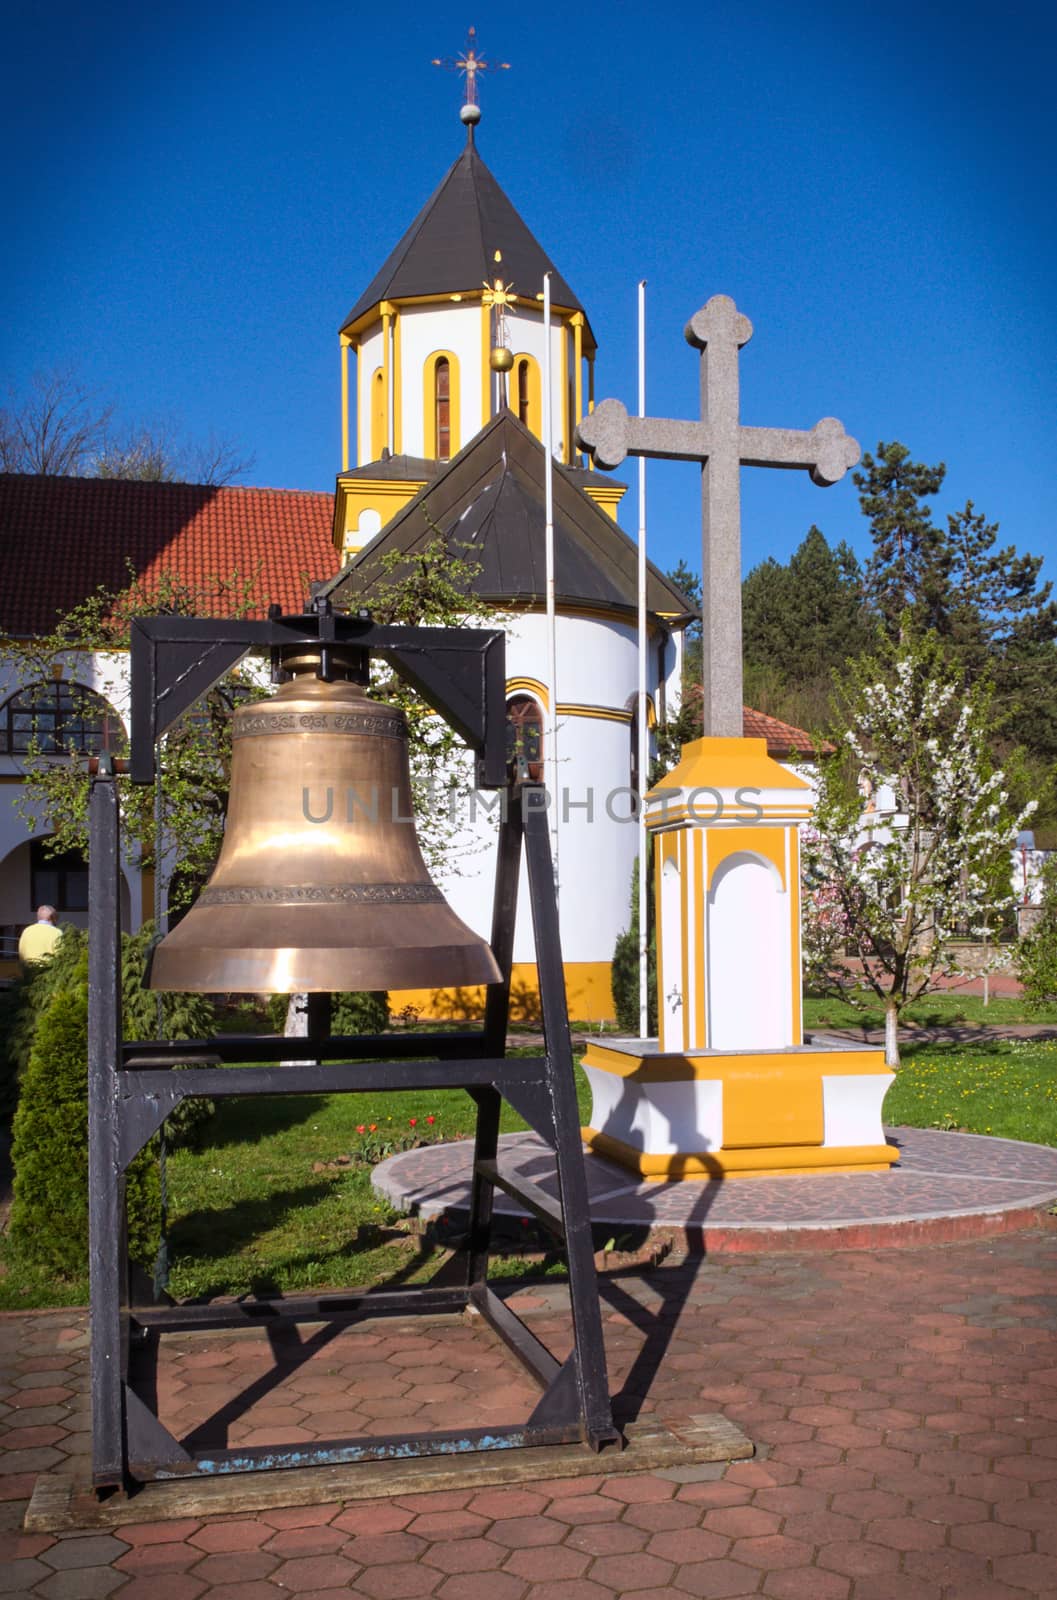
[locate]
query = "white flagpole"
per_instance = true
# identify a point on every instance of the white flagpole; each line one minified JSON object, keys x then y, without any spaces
{"x":643,"y":724}
{"x":552,"y":640}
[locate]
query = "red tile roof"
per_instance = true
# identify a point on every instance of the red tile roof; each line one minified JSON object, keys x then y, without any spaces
{"x":782,"y":738}
{"x":62,"y":538}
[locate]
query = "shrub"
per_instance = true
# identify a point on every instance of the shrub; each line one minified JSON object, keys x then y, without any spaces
{"x":49,"y":1211}
{"x":625,"y":970}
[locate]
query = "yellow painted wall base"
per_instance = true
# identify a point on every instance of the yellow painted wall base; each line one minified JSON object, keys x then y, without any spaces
{"x":587,"y":992}
{"x":759,"y":1163}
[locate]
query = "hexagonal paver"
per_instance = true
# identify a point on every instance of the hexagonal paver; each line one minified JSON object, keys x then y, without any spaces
{"x":380,"y":1549}
{"x":628,"y":1572}
{"x":552,"y":1561}
{"x":772,"y":1551}
{"x":235,"y":1566}
{"x":688,"y":1544}
{"x":303,"y":1574}
{"x":742,"y":1522}
{"x":95,"y":1550}
{"x":401,"y":1581}
{"x":465,"y":1555}
{"x":520,"y":1533}
{"x":216,"y":1537}
{"x":483,"y":1586}
{"x":717,"y":1580}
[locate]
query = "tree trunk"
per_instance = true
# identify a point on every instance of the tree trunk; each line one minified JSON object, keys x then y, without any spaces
{"x":891,"y":1033}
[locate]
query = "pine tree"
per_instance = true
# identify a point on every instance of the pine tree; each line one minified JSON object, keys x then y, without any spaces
{"x":908,"y":570}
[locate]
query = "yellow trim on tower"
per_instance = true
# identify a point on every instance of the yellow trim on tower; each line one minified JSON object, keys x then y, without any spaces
{"x":606,"y":494}
{"x":530,"y":686}
{"x":387,"y":366}
{"x":379,"y":417}
{"x":535,"y":392}
{"x":486,"y":370}
{"x":563,"y":336}
{"x":578,"y":363}
{"x":344,"y":344}
{"x":398,"y":386}
{"x":429,"y":401}
{"x":588,"y":990}
{"x":679,"y":1066}
{"x":597,"y":713}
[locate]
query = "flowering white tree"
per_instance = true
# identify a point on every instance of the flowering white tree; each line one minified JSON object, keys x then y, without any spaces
{"x":895,"y":889}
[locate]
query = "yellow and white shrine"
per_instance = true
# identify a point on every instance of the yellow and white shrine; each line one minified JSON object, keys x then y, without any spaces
{"x":730,"y":1088}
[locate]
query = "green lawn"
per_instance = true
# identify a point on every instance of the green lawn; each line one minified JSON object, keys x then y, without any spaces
{"x":1007,"y":1087}
{"x":934,"y":1010}
{"x":266,"y":1206}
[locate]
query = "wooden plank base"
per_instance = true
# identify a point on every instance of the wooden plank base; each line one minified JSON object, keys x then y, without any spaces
{"x":61,"y":1504}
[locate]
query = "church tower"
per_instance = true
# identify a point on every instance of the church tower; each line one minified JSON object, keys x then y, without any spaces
{"x":448,"y":333}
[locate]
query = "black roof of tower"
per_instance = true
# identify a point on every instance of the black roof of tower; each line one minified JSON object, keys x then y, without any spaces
{"x":450,"y":247}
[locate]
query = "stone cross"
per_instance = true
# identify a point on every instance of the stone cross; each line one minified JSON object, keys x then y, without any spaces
{"x":722,"y":446}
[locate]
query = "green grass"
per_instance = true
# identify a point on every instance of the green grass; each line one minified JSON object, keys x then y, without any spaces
{"x":1007,"y":1087}
{"x":935,"y":1010}
{"x":248,"y":1215}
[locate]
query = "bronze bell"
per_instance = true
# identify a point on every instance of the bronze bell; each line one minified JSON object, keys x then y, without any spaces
{"x":319,"y":885}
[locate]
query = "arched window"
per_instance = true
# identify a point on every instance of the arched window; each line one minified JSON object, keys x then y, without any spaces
{"x":524,"y":737}
{"x":521,"y":389}
{"x":51,"y":719}
{"x":379,"y":418}
{"x":526,"y":394}
{"x":441,"y":406}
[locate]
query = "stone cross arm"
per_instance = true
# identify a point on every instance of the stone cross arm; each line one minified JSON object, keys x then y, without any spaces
{"x":609,"y":434}
{"x":722,"y":447}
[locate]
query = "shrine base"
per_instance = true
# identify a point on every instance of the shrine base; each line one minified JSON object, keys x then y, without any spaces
{"x":814,"y":1107}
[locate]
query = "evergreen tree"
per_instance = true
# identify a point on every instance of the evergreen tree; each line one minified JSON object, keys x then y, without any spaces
{"x":802,"y":622}
{"x":909,"y":568}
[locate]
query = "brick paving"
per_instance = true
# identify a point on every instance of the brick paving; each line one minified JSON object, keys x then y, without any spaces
{"x":944,"y":1185}
{"x":903,"y":1402}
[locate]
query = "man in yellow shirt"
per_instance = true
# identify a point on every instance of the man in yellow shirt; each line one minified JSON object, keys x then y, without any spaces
{"x":38,"y":941}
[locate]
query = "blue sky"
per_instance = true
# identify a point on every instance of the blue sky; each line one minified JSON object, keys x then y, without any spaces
{"x":196,"y":197}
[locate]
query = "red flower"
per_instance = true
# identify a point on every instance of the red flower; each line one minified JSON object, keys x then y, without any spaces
{"x":431,"y":1120}
{"x":361,"y":1128}
{"x":412,"y":1121}
{"x":373,"y":1127}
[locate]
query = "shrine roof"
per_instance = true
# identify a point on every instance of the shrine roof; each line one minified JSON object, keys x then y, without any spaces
{"x":63,"y":538}
{"x":488,"y":506}
{"x":450,"y":247}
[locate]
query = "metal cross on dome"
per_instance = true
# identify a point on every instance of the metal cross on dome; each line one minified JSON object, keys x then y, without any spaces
{"x":469,"y":64}
{"x":723,"y":446}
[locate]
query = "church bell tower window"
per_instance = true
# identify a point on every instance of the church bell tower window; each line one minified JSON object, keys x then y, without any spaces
{"x":442,"y":406}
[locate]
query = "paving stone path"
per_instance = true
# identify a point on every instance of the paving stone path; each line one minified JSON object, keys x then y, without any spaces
{"x":903,"y":1402}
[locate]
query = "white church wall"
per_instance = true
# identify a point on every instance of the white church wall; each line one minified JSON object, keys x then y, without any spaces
{"x":423,"y":331}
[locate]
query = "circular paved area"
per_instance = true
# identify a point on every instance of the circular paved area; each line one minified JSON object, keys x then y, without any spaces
{"x":944,"y":1186}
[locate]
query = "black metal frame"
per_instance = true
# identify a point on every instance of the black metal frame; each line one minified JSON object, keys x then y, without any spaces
{"x":132,"y":1087}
